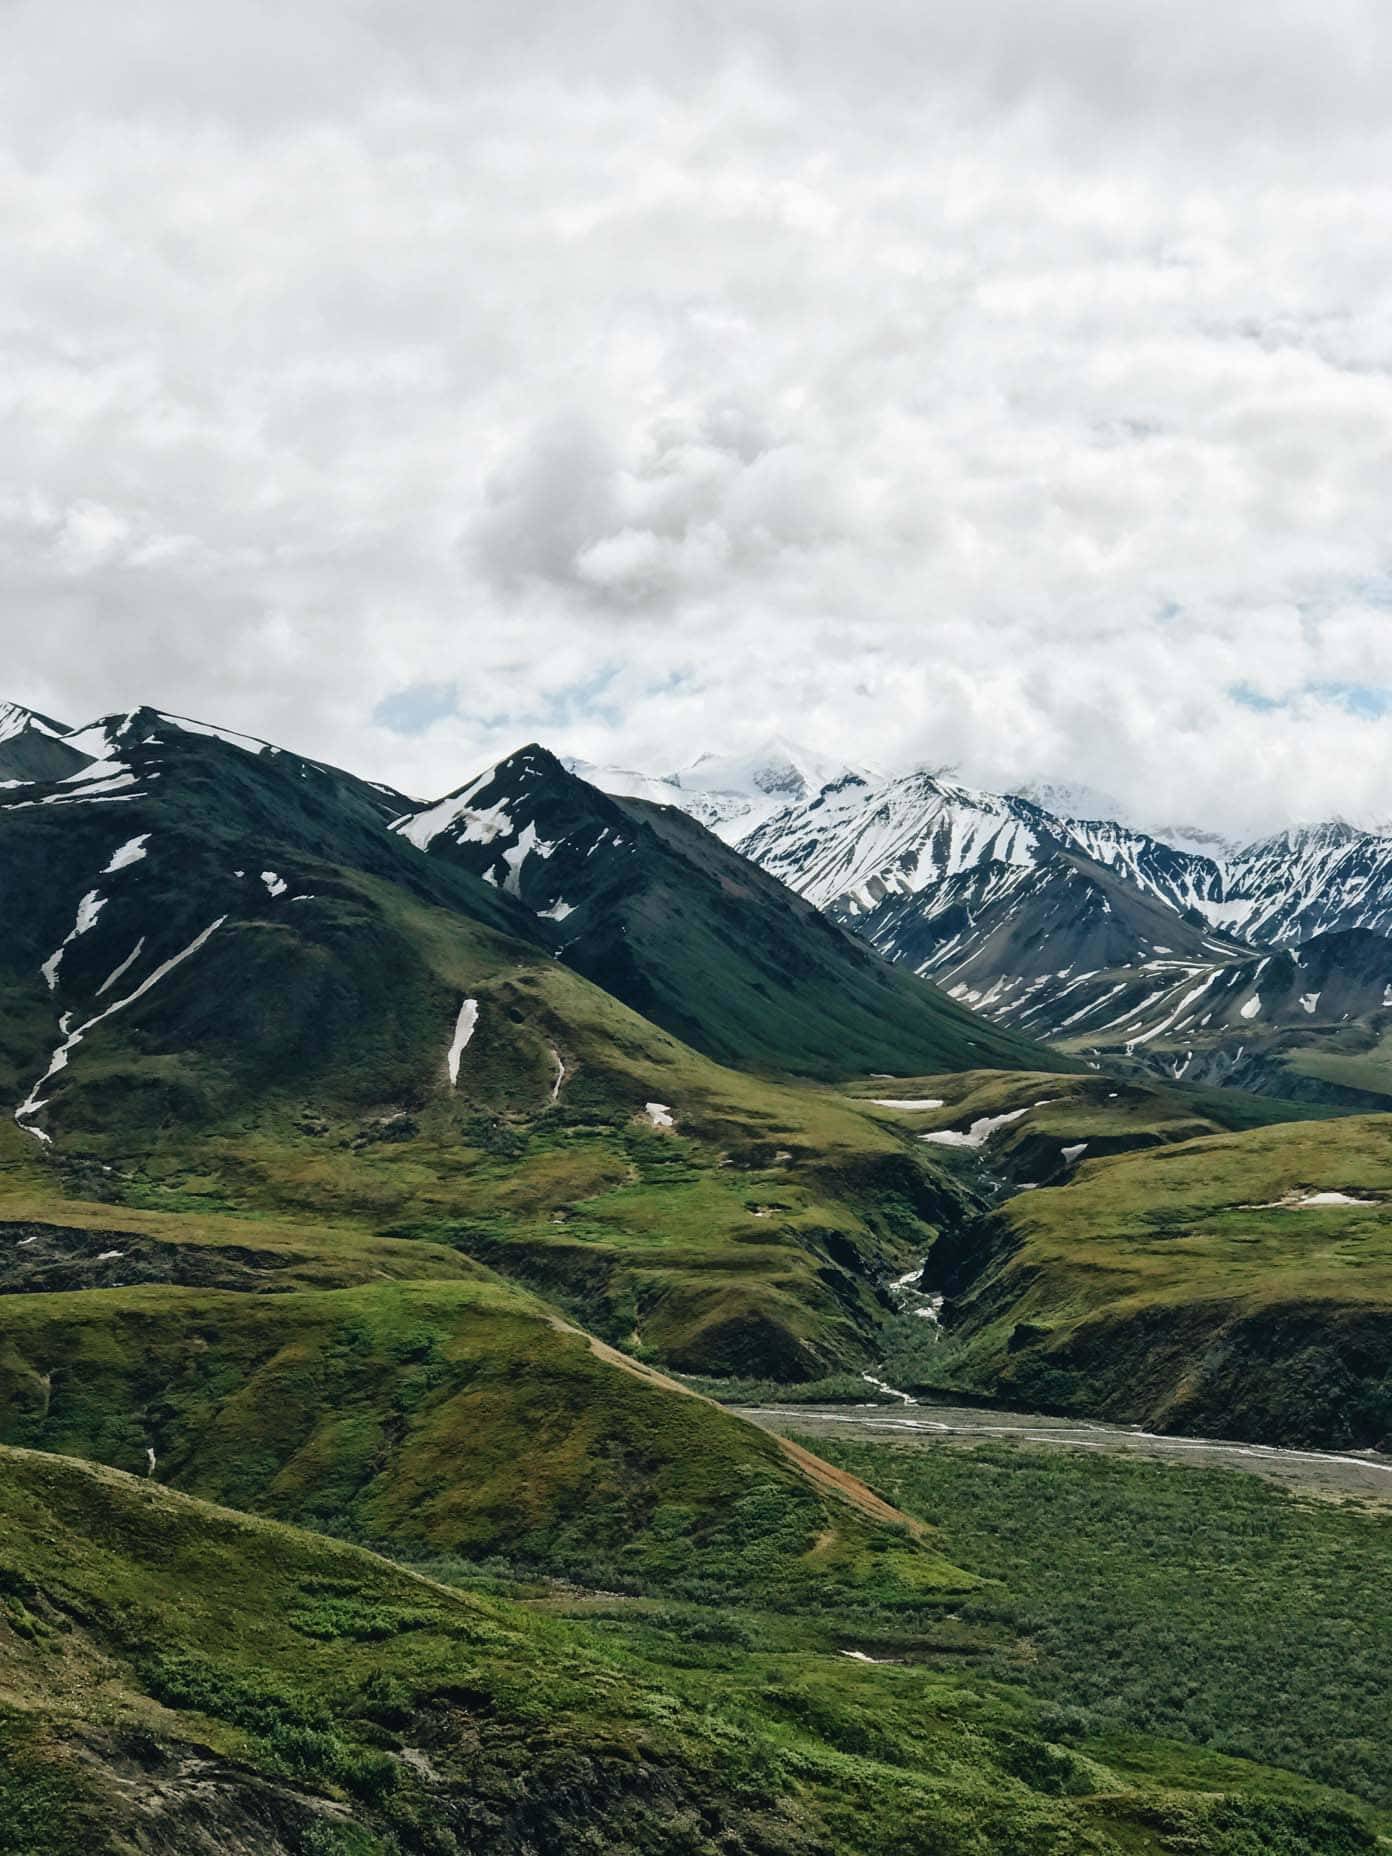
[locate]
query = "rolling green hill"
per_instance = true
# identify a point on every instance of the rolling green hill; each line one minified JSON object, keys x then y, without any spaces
{"x":180,"y":1680}
{"x":1239,"y":1284}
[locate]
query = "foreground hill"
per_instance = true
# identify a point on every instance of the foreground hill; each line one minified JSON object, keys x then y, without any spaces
{"x":393,"y":1390}
{"x":182,"y":1680}
{"x":655,"y":909}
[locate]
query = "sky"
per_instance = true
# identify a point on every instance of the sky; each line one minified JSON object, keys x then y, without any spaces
{"x":1002,"y":385}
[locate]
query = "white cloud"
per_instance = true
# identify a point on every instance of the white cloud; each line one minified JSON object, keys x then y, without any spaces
{"x":1002,"y":385}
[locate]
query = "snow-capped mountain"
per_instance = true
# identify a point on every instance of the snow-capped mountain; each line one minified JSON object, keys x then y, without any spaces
{"x":659,"y":912}
{"x":1083,"y":928}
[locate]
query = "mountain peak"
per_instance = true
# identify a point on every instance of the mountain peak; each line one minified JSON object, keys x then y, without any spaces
{"x":15,"y":719}
{"x":34,"y":747}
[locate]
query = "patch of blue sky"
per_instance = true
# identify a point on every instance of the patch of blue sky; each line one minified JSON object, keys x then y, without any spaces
{"x":1368,"y":701}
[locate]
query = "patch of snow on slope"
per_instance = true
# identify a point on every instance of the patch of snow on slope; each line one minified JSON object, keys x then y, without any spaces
{"x":1315,"y":1199}
{"x":516,"y":855}
{"x":32,"y":1104}
{"x":1252,"y":1007}
{"x":1072,"y":1155}
{"x":1309,"y":1001}
{"x":979,"y":1132}
{"x":908,"y":1102}
{"x":557,"y":912}
{"x":88,"y":910}
{"x":464,"y":1027}
{"x":659,"y":1114}
{"x":275,"y":885}
{"x":124,"y":967}
{"x":129,"y":853}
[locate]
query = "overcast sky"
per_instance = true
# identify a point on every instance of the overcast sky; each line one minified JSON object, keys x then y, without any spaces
{"x":999,"y":383}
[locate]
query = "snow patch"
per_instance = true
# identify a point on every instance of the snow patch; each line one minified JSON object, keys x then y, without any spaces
{"x":659,"y":1114}
{"x":1072,"y":1155}
{"x":908,"y":1102}
{"x":1252,"y":1007}
{"x":979,"y":1132}
{"x":124,"y":967}
{"x":88,"y":910}
{"x":32,"y":1104}
{"x":1333,"y":1198}
{"x":130,"y":852}
{"x":275,"y":885}
{"x":464,"y":1027}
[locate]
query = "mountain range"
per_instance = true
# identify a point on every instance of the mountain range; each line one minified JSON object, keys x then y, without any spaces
{"x":422,"y":1222}
{"x":1106,"y":940}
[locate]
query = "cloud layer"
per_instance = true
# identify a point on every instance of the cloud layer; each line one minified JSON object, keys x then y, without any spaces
{"x":1005,"y":386}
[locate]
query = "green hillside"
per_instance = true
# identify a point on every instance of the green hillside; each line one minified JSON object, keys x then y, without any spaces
{"x":176,"y":1677}
{"x":1239,"y":1284}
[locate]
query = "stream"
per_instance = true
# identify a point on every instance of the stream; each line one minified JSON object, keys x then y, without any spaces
{"x":926,"y":1426}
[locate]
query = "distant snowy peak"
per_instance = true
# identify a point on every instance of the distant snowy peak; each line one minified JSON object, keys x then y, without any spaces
{"x":1068,"y":799}
{"x":779,"y":770}
{"x":15,"y":719}
{"x":625,"y":783}
{"x":33,"y":747}
{"x":731,"y":794}
{"x":855,"y":843}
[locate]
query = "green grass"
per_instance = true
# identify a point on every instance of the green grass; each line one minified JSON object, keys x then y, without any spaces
{"x":1178,"y":1287}
{"x":1200,"y":1604}
{"x":186,"y":1669}
{"x":435,"y":1416}
{"x":757,"y":1231}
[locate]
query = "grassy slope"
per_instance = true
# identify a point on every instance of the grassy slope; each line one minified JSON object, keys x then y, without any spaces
{"x":1174,"y":1288}
{"x":178,"y":1678}
{"x":1110,"y":1115}
{"x":1201,"y":1604}
{"x":418,"y":1401}
{"x":759,"y":1226}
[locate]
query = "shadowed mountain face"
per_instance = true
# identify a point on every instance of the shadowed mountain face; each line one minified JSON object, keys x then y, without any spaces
{"x":32,"y":747}
{"x":651,"y":906}
{"x":208,"y":917}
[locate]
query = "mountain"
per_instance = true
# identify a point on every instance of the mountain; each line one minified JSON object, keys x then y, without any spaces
{"x":229,"y":951}
{"x":210,"y":919}
{"x":1312,"y":880}
{"x":34,"y":748}
{"x":657,"y":910}
{"x":995,"y":934}
{"x":1088,"y":930}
